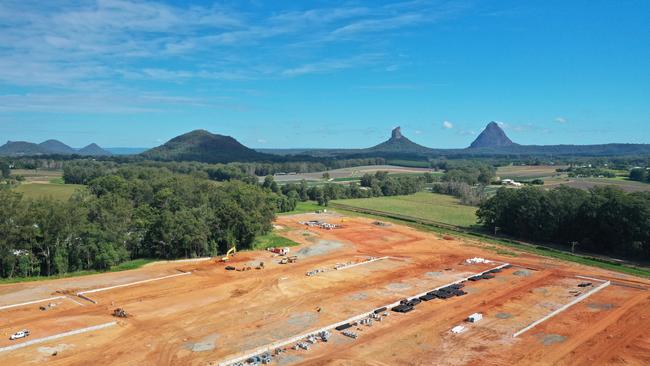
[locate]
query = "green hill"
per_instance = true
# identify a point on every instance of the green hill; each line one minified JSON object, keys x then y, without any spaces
{"x":203,"y":146}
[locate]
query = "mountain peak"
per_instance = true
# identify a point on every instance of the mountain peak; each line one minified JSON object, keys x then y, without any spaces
{"x":93,"y":150}
{"x":400,"y":144}
{"x":492,"y":136}
{"x":56,"y":147}
{"x":396,"y":133}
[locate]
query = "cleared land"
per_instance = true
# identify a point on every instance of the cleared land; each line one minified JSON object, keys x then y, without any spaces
{"x":431,"y":206}
{"x":44,"y":183}
{"x":526,"y":172}
{"x":342,"y":174}
{"x":212,"y":315}
{"x":586,"y":183}
{"x":56,"y":191}
{"x":553,"y":179}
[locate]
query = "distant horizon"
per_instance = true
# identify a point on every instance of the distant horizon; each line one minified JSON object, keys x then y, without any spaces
{"x":325,"y":75}
{"x":110,"y":147}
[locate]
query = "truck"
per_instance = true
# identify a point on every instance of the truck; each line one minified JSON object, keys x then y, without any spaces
{"x":20,"y":334}
{"x":280,"y":251}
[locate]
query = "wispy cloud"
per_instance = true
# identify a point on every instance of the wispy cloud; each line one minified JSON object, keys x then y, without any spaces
{"x":560,"y":120}
{"x":447,"y":125}
{"x":71,"y":48}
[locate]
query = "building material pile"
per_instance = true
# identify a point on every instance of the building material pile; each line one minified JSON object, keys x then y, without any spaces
{"x":477,"y":260}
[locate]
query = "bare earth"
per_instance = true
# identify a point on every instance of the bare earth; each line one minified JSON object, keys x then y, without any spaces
{"x":212,"y":315}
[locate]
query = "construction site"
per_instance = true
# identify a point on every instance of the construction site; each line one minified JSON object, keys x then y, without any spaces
{"x":354,"y":292}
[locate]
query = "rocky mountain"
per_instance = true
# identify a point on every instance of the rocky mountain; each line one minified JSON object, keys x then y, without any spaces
{"x":492,"y":136}
{"x":398,"y":143}
{"x":201,"y":145}
{"x":56,"y":147}
{"x":93,"y":150}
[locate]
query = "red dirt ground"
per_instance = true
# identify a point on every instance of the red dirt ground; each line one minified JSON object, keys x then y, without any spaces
{"x":213,"y":314}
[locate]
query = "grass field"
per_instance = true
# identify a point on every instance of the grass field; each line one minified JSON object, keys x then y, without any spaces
{"x":526,"y":172}
{"x":431,"y":206}
{"x":56,"y":191}
{"x":272,"y":239}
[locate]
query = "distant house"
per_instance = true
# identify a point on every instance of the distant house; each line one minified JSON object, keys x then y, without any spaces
{"x":510,"y":182}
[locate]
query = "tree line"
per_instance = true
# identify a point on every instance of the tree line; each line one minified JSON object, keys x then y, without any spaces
{"x":127,"y":214}
{"x":601,"y":220}
{"x":640,"y":175}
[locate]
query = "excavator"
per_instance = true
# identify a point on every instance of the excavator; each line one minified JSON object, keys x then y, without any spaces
{"x":231,"y":251}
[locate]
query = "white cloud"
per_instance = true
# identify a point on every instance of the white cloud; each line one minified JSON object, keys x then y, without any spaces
{"x":448,"y":125}
{"x":261,"y":141}
{"x":560,"y":120}
{"x":95,"y":47}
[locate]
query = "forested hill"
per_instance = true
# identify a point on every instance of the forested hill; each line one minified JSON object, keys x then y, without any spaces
{"x":203,"y":146}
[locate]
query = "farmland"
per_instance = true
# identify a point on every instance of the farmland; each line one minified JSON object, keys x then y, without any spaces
{"x":55,"y":191}
{"x":535,"y":311}
{"x":44,"y":184}
{"x":348,"y":174}
{"x":552,"y":178}
{"x":431,"y":206}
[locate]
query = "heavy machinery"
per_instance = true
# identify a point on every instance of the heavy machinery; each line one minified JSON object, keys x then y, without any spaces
{"x":291,"y":259}
{"x":232,"y":251}
{"x":120,"y":313}
{"x":279,"y":251}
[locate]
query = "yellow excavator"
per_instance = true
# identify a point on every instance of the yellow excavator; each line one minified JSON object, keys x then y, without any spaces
{"x":231,"y":251}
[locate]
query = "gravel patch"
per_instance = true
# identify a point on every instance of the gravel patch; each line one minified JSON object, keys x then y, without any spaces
{"x":320,"y":247}
{"x":599,"y":306}
{"x":206,"y":344}
{"x":503,"y":315}
{"x":56,"y":349}
{"x":433,"y":274}
{"x":522,"y":273}
{"x":358,"y":296}
{"x":551,"y":339}
{"x":397,"y":286}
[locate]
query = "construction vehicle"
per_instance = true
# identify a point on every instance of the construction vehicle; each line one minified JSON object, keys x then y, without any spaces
{"x":291,"y":259}
{"x":280,"y":251}
{"x":120,"y":313}
{"x":20,"y":334}
{"x":232,"y":251}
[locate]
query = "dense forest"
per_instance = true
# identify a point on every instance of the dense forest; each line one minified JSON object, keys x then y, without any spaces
{"x":601,"y":220}
{"x":135,"y":212}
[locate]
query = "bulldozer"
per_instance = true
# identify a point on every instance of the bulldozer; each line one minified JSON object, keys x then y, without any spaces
{"x":232,"y":251}
{"x":120,"y":313}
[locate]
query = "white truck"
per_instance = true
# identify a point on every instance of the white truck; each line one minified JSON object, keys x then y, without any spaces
{"x":20,"y":334}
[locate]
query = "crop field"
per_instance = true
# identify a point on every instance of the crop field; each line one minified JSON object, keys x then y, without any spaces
{"x":587,"y":183}
{"x":535,"y":310}
{"x":348,"y":174}
{"x":425,"y":205}
{"x":38,"y":176}
{"x":526,"y":172}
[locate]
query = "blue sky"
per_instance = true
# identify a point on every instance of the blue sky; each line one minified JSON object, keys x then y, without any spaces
{"x":324,"y":74}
